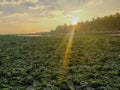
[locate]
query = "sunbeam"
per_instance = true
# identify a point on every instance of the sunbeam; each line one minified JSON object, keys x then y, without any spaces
{"x":67,"y":54}
{"x":62,"y":44}
{"x":65,"y":64}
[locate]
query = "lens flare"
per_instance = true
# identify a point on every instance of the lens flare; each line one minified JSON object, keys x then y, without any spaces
{"x":75,"y":21}
{"x":65,"y":64}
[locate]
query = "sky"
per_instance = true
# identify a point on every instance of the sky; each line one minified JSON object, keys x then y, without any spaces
{"x":31,"y":16}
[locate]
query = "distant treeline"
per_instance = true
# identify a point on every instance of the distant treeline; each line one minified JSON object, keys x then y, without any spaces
{"x":109,"y":23}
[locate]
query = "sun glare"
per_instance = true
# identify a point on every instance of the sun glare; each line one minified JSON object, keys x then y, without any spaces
{"x":75,"y":21}
{"x":65,"y":64}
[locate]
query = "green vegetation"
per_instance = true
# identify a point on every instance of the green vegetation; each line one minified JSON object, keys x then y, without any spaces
{"x":33,"y":63}
{"x":106,"y":24}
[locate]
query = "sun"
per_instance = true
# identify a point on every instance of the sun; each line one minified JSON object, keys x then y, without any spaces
{"x":75,"y":21}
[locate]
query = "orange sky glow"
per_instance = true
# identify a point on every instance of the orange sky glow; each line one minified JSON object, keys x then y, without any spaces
{"x":31,"y":16}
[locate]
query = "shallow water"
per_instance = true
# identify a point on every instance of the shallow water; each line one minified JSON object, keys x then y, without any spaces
{"x":114,"y":34}
{"x":32,"y":35}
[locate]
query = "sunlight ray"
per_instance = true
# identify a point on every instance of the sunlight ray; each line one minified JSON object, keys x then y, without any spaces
{"x":65,"y":64}
{"x":63,"y":43}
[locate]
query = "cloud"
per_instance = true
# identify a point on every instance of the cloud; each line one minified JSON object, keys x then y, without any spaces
{"x":56,"y":8}
{"x":1,"y":12}
{"x":32,"y":1}
{"x":3,"y":2}
{"x":102,"y":7}
{"x":17,"y":15}
{"x":46,"y":8}
{"x":51,"y":13}
{"x":16,"y":2}
{"x":37,"y":7}
{"x":39,"y":14}
{"x":15,"y":18}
